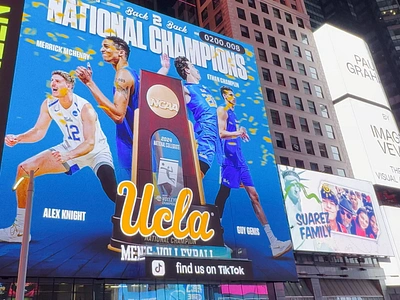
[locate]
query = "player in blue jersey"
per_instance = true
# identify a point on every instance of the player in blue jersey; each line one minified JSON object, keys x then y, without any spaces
{"x":84,"y":145}
{"x":201,"y":103}
{"x":121,"y":109}
{"x":235,"y":172}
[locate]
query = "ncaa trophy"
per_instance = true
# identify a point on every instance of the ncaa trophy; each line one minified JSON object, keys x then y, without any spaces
{"x":164,"y":154}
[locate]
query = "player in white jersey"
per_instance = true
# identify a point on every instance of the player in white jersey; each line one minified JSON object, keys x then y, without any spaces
{"x":84,"y":145}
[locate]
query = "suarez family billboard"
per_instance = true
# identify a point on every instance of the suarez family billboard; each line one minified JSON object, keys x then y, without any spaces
{"x":103,"y":91}
{"x":329,"y":213}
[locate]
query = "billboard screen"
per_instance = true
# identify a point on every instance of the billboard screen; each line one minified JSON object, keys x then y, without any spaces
{"x":366,"y":121}
{"x":194,"y":198}
{"x":333,"y":214}
{"x":348,"y":65}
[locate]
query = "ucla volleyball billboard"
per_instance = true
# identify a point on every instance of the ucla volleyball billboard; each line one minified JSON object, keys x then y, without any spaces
{"x":150,"y":146}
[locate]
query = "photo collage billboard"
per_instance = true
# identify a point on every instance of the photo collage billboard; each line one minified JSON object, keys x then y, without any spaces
{"x":333,"y":214}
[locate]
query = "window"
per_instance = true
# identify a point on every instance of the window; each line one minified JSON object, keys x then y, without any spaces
{"x":300,"y":22}
{"x":258,"y":36}
{"x":309,"y":55}
{"x":270,"y":95}
{"x":241,"y":14}
{"x":204,"y":14}
{"x":285,"y":46}
{"x":218,"y":18}
{"x":307,"y":88}
{"x":324,"y":110}
{"x":240,"y":1}
{"x":294,"y":6}
{"x":262,"y":55}
{"x":314,"y":166}
{"x":264,"y":7}
{"x":302,"y":68}
{"x":266,"y":74}
{"x":335,"y":153}
{"x":309,"y":147}
{"x":311,"y":107}
{"x":254,"y":19}
{"x":317,"y":128}
{"x":304,"y":39}
{"x":322,"y":150}
{"x":304,"y":124}
{"x":328,"y":169}
{"x":207,"y":26}
{"x":285,"y":99}
{"x":318,"y":91}
{"x":283,"y":2}
{"x":251,"y":3}
{"x":289,"y":64}
{"x":293,"y":34}
{"x":299,"y":103}
{"x":271,"y":41}
{"x":313,"y":73}
{"x":275,"y":59}
{"x":280,"y":79}
{"x":245,"y":31}
{"x":281,"y":29}
{"x":203,"y":1}
{"x":277,"y":13}
{"x":275,"y":117}
{"x":280,"y":140}
{"x":288,"y":18}
{"x":329,"y":131}
{"x":293,"y":83}
{"x":295,"y":143}
{"x":215,"y":3}
{"x":341,"y":172}
{"x":297,"y":51}
{"x":299,"y":163}
{"x":290,"y":121}
{"x":267,"y":24}
{"x":284,"y":160}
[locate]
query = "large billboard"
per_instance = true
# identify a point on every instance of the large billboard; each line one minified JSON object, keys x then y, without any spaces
{"x":366,"y":121}
{"x":197,"y":200}
{"x":333,"y":214}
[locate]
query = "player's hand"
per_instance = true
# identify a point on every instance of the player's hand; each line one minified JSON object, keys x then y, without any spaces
{"x":11,"y":140}
{"x":165,"y":61}
{"x":60,"y":157}
{"x":244,"y":136}
{"x":84,"y":74}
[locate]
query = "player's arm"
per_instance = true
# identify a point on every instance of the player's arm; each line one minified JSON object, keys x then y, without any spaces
{"x":124,"y":84}
{"x":89,"y":118}
{"x":165,"y":64}
{"x":186,"y":95}
{"x":222,"y":118}
{"x":36,"y":133}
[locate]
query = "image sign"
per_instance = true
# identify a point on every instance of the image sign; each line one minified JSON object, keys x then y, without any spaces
{"x":150,"y":146}
{"x":333,"y":214}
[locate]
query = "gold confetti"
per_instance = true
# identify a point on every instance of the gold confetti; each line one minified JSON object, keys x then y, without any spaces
{"x":30,"y":41}
{"x":248,"y":53}
{"x":62,"y":35}
{"x":37,"y":4}
{"x":267,"y":139}
{"x":103,"y":107}
{"x":251,"y":119}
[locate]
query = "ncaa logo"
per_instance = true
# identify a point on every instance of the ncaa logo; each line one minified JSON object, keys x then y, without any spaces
{"x":75,"y":113}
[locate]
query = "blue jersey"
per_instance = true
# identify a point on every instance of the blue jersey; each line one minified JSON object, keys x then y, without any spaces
{"x":232,"y":148}
{"x":204,"y":110}
{"x":203,"y":107}
{"x":124,"y":133}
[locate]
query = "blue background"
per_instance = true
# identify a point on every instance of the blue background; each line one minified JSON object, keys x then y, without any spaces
{"x":72,"y":248}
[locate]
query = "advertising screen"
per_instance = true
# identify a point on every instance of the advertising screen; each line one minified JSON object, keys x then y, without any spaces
{"x":333,"y":214}
{"x":366,"y":121}
{"x":348,"y":65}
{"x":111,"y":97}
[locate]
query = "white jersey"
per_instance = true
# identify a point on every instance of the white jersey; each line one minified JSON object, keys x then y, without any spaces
{"x":69,"y":120}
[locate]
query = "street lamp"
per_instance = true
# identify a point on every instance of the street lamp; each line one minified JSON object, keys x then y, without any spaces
{"x":23,"y":258}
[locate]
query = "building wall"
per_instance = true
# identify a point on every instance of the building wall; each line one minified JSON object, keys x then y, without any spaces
{"x":295,"y":31}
